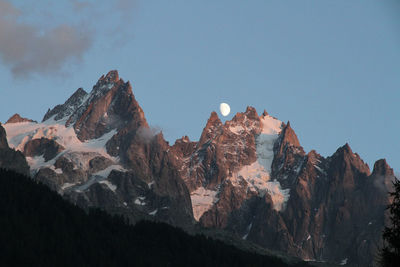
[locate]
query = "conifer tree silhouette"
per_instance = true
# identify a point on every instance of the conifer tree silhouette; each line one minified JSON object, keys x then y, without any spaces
{"x":390,"y":253}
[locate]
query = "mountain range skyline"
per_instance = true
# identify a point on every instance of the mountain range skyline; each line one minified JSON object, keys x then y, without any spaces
{"x":248,"y":177}
{"x":328,"y":67}
{"x":217,"y":133}
{"x":224,"y":119}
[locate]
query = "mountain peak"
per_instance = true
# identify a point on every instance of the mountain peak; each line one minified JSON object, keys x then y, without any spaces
{"x":110,"y":105}
{"x":251,"y":112}
{"x":382,"y":168}
{"x":212,"y":126}
{"x":344,"y":155}
{"x":345,"y":152}
{"x":17,"y":118}
{"x":289,"y":136}
{"x":213,"y":118}
{"x":69,"y":106}
{"x":241,"y":117}
{"x":111,"y":76}
{"x":345,"y":149}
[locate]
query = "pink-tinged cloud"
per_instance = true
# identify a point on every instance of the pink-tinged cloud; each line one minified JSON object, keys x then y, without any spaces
{"x":27,"y":50}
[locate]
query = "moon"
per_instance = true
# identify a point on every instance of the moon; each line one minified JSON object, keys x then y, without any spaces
{"x":225,"y":109}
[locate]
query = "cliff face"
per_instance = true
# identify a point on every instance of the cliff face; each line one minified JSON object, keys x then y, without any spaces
{"x":98,"y":150}
{"x":9,"y":158}
{"x":249,"y":176}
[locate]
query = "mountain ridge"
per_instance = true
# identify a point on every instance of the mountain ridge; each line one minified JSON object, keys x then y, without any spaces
{"x":248,"y":176}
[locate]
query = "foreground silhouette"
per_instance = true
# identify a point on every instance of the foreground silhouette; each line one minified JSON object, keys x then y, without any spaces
{"x":390,"y":253}
{"x":39,"y":228}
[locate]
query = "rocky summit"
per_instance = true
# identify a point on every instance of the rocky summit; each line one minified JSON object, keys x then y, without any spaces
{"x":97,"y":149}
{"x":248,"y":177}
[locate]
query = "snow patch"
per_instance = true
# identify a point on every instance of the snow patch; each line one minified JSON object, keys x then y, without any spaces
{"x":18,"y":134}
{"x":67,"y":185}
{"x":100,"y":177}
{"x":319,"y":169}
{"x":343,"y":262}
{"x":247,"y":231}
{"x":202,"y":200}
{"x":149,"y":185}
{"x":111,"y":186}
{"x":140,"y":201}
{"x":38,"y":162}
{"x":257,"y":174}
{"x":80,"y":153}
{"x":106,"y":172}
{"x":271,"y":126}
{"x":237,"y":129}
{"x":152,"y":213}
{"x":83,"y":187}
{"x":97,"y":145}
{"x":265,"y":150}
{"x":58,"y":170}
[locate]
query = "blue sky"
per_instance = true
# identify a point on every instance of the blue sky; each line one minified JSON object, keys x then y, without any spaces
{"x":330,"y":67}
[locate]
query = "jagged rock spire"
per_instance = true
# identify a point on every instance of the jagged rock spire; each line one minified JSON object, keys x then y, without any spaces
{"x":112,"y":76}
{"x":213,"y":127}
{"x":71,"y":105}
{"x":382,"y":168}
{"x":288,"y":136}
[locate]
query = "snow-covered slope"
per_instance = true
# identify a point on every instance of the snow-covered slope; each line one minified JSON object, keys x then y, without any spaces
{"x":86,"y":149}
{"x":18,"y":134}
{"x":258,"y":174}
{"x":248,"y":175}
{"x":239,"y":152}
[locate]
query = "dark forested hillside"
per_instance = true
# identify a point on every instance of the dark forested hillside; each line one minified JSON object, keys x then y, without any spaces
{"x":39,"y":228}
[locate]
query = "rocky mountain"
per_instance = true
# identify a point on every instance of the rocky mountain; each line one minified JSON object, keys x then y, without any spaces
{"x":97,"y":149}
{"x":9,"y":158}
{"x":249,"y":176}
{"x":17,"y":118}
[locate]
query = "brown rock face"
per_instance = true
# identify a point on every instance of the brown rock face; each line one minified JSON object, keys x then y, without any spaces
{"x":220,"y":151}
{"x":9,"y":158}
{"x":382,"y":168}
{"x":289,"y":157}
{"x":136,"y":153}
{"x":183,"y":147}
{"x":17,"y":118}
{"x":110,"y":105}
{"x":231,"y":200}
{"x":248,"y":176}
{"x":336,"y":208}
{"x":212,"y":129}
{"x":3,"y":138}
{"x":43,"y":146}
{"x":107,"y":110}
{"x":61,"y":111}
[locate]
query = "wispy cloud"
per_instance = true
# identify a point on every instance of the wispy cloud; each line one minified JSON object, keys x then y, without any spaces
{"x":147,"y":134}
{"x":80,"y":5}
{"x":27,"y":49}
